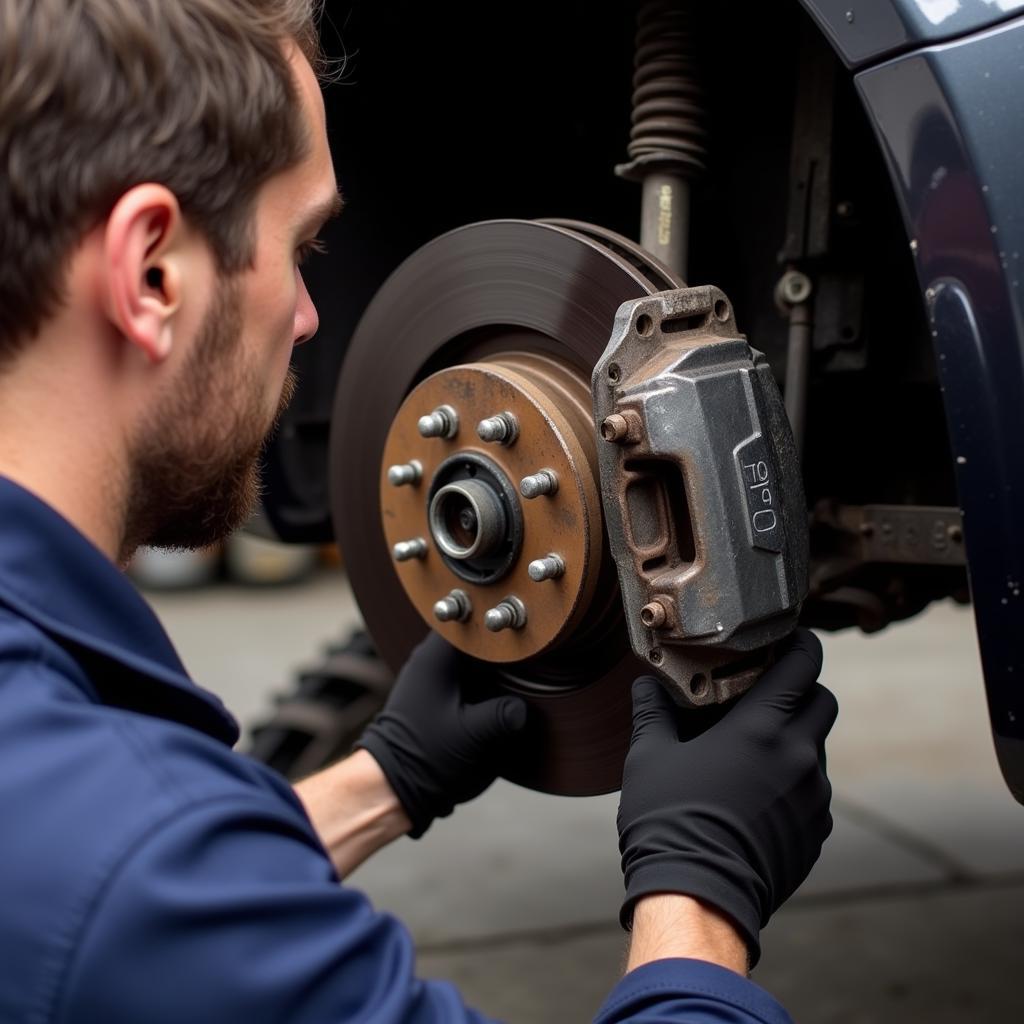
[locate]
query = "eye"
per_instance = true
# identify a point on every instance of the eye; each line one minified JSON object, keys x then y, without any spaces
{"x":308,"y":249}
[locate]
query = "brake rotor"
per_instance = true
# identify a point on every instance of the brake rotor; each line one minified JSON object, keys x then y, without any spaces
{"x":500,"y":321}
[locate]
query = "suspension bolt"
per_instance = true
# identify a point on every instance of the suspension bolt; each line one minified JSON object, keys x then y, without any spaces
{"x":456,"y":607}
{"x":406,"y":550}
{"x":653,"y":615}
{"x":543,"y":482}
{"x":550,"y":567}
{"x":500,"y":429}
{"x":442,"y":422}
{"x":410,"y":473}
{"x":794,"y":288}
{"x":509,"y":613}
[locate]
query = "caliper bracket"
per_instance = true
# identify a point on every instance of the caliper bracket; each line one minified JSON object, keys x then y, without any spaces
{"x":702,"y":493}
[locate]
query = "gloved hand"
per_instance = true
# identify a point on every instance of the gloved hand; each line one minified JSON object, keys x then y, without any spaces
{"x":437,"y":749}
{"x":735,"y":816}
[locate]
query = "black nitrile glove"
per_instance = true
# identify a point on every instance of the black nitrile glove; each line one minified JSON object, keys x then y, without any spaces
{"x":436,"y":749}
{"x":735,"y":816}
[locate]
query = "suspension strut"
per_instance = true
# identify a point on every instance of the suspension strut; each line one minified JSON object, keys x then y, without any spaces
{"x":667,"y":147}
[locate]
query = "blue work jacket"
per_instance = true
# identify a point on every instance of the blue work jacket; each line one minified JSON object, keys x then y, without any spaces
{"x":150,"y":874}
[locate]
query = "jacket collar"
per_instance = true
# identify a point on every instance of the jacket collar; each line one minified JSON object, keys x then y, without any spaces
{"x":53,"y":576}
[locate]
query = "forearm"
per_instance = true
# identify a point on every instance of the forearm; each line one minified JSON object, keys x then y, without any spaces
{"x":353,"y":809}
{"x":667,"y":925}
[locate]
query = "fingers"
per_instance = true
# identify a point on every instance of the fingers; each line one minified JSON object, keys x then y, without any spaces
{"x":654,"y":711}
{"x":513,"y":713}
{"x":796,"y":670}
{"x":497,"y":719}
{"x":433,"y":666}
{"x":821,"y":711}
{"x":802,"y":642}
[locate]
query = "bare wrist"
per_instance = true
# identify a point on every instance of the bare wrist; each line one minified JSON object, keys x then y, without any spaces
{"x":668,"y":925}
{"x":353,"y":809}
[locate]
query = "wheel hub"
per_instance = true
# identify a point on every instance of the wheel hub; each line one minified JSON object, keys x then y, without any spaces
{"x":482,"y":534}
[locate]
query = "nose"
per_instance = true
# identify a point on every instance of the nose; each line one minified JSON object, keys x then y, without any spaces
{"x":307,"y":320}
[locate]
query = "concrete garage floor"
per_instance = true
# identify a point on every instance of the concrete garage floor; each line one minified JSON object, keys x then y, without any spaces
{"x":914,"y":913}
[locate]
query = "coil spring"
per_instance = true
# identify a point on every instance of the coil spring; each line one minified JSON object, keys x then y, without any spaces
{"x":669,"y":117}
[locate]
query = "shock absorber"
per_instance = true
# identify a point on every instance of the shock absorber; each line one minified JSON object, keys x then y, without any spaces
{"x":667,"y":145}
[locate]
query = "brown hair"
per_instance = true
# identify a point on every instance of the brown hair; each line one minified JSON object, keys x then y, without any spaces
{"x":97,"y":96}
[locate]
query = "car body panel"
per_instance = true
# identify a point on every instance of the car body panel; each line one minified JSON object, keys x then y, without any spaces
{"x":953,"y":135}
{"x":863,"y":31}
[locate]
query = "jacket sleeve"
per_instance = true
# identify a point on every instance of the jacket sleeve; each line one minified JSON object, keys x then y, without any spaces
{"x":689,"y":992}
{"x":229,"y":911}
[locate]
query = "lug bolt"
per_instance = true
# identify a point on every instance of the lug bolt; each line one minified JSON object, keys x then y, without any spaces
{"x":543,"y":482}
{"x":453,"y":608}
{"x":548,"y":568}
{"x":653,"y":615}
{"x":442,"y":422}
{"x":500,"y":429}
{"x":509,"y":613}
{"x":405,"y":550}
{"x":410,"y":473}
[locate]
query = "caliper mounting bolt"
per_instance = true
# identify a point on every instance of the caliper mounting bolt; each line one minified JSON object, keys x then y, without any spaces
{"x":510,"y":613}
{"x":442,"y":422}
{"x":405,"y":550}
{"x":500,"y":429}
{"x":543,"y":482}
{"x":653,"y":615}
{"x":548,"y":568}
{"x":456,"y":607}
{"x":621,"y":428}
{"x":410,"y":473}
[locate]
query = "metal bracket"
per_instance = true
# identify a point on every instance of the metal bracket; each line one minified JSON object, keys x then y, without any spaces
{"x":702,"y":494}
{"x":907,"y":534}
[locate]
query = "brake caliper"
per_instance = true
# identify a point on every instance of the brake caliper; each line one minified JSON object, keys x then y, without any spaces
{"x":702,"y":493}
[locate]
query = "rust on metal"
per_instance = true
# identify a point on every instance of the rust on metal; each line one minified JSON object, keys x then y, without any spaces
{"x":549,"y":401}
{"x":702,"y":494}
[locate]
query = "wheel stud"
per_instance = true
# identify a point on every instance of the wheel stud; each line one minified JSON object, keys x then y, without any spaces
{"x":507,"y":614}
{"x":405,"y":550}
{"x":456,"y":607}
{"x":442,"y":422}
{"x":543,"y":482}
{"x":410,"y":473}
{"x":500,"y":429}
{"x":548,"y":568}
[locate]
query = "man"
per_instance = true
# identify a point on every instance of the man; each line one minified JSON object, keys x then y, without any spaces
{"x":164,"y":167}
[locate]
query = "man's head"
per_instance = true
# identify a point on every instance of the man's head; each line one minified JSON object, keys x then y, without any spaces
{"x":163,"y":165}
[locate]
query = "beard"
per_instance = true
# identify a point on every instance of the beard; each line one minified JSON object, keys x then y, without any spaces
{"x":194,"y":467}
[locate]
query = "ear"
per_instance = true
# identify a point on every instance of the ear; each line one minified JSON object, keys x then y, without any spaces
{"x":142,"y":275}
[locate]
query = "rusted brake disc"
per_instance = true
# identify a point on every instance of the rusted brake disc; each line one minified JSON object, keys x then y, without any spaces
{"x":462,"y":442}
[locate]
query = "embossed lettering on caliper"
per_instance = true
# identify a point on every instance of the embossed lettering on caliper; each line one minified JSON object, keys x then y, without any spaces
{"x":702,"y":493}
{"x":761,"y":492}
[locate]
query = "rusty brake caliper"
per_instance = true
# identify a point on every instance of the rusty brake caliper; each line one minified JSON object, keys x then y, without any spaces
{"x":702,"y":493}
